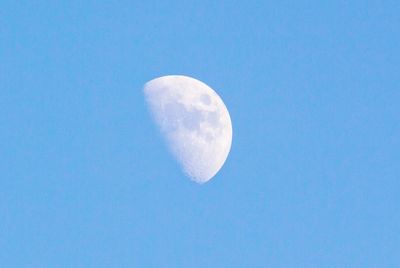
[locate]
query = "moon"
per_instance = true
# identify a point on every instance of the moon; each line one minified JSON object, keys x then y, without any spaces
{"x":194,"y":121}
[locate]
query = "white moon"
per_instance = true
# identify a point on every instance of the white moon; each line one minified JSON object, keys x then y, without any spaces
{"x":195,"y":122}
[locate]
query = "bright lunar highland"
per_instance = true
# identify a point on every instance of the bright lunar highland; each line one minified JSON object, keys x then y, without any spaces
{"x":194,"y":121}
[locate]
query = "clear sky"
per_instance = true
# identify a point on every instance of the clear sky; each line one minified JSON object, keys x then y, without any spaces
{"x":312,"y":179}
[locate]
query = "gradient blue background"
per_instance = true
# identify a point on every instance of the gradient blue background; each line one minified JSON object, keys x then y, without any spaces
{"x":312,"y":179}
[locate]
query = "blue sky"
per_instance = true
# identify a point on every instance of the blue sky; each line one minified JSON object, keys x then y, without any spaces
{"x":312,"y":179}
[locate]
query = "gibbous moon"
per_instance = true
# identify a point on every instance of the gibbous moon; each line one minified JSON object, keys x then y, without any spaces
{"x":194,"y":121}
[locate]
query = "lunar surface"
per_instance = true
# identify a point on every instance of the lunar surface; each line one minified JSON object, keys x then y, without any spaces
{"x":194,"y":122}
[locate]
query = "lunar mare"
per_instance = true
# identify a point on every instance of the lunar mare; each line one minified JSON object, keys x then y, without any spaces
{"x":194,"y":121}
